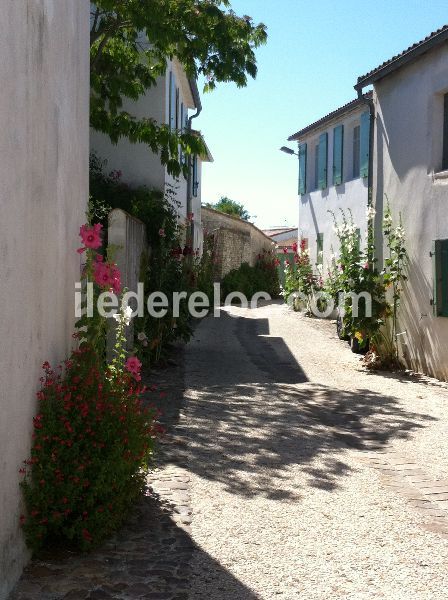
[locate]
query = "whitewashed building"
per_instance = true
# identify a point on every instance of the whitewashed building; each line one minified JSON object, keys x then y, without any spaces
{"x":410,"y":167}
{"x":44,"y":186}
{"x":333,"y":175}
{"x":174,"y":100}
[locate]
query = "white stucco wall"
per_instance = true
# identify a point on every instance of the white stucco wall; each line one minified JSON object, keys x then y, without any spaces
{"x":409,"y":105}
{"x":351,"y":195}
{"x":44,"y":111}
{"x":138,"y":164}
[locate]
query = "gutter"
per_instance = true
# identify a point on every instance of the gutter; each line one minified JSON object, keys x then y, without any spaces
{"x":197,"y":101}
{"x":370,"y":103}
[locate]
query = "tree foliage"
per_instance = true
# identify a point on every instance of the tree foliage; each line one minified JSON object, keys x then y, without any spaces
{"x":230,"y":207}
{"x":130,"y":41}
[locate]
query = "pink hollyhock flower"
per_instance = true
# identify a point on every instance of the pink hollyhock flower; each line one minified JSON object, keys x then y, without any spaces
{"x":162,"y":232}
{"x":285,"y":250}
{"x":101,"y":275}
{"x":115,"y":279}
{"x":366,"y":266}
{"x":133,"y":365}
{"x":190,"y":216}
{"x":294,"y":247}
{"x":91,"y":235}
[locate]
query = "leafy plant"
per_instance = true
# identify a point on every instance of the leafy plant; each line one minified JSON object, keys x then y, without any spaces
{"x":93,"y":438}
{"x":230,"y":207}
{"x":249,"y":280}
{"x":130,"y":42}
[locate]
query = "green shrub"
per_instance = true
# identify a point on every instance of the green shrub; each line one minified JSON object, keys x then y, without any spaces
{"x":91,"y":439}
{"x":263,"y":277}
{"x":170,"y":267}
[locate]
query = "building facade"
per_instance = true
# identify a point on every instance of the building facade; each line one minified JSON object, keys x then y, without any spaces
{"x":333,"y":176}
{"x":410,"y":171}
{"x":174,"y":100}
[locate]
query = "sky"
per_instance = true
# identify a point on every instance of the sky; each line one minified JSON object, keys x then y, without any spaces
{"x":316,"y":49}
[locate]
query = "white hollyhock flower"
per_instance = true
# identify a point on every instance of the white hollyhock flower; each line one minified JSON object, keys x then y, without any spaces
{"x":371,"y":212}
{"x":125,"y":316}
{"x":141,"y":336}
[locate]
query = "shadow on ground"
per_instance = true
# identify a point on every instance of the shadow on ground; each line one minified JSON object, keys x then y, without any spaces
{"x":149,"y":558}
{"x":253,"y":415}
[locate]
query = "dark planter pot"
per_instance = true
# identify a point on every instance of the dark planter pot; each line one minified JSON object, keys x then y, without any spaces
{"x":356,"y":348}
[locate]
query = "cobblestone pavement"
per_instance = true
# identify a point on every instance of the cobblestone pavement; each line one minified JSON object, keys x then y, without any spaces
{"x":150,"y":556}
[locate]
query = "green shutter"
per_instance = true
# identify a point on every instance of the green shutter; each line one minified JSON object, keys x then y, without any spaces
{"x":320,"y":249}
{"x":440,"y":258}
{"x":302,"y":168}
{"x":322,"y":161}
{"x":338,"y":152}
{"x":364,"y":146}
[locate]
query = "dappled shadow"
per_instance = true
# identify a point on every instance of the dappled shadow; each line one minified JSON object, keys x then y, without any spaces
{"x":253,"y":416}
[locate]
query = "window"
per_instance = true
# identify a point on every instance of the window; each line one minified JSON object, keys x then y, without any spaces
{"x":178,"y":121}
{"x":356,"y":140}
{"x":440,"y":267}
{"x":316,"y":167}
{"x":445,"y":133}
{"x":320,"y":249}
{"x":322,"y":161}
{"x":302,"y":168}
{"x":338,"y":151}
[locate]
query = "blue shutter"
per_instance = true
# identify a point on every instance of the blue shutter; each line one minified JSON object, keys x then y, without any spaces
{"x":322,"y":161}
{"x":364,"y":145}
{"x":338,"y":152}
{"x":172,"y":102}
{"x":302,"y":168}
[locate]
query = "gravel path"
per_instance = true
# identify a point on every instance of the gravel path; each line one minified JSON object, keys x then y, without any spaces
{"x":310,"y":477}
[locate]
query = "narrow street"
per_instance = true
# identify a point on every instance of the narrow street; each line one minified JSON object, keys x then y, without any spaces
{"x":287,"y":472}
{"x":309,"y":476}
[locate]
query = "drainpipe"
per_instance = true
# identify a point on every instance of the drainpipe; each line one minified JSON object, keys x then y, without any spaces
{"x":369,"y":102}
{"x":197,"y":101}
{"x":370,"y":202}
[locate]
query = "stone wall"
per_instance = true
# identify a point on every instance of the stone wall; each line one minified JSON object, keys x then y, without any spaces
{"x":44,"y":145}
{"x":236,"y":241}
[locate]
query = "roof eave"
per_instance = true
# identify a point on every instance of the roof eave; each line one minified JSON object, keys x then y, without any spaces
{"x":347,"y":108}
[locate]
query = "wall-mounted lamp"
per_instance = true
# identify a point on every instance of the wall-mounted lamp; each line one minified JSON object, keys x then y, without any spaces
{"x":287,"y":150}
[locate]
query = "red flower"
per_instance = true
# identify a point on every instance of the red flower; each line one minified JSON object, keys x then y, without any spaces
{"x":86,"y":535}
{"x":294,"y":247}
{"x":91,"y":235}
